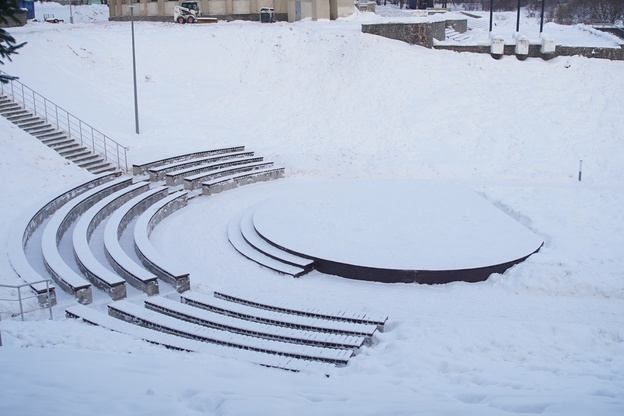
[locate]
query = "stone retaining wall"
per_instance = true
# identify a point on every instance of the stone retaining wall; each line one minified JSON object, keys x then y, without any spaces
{"x":614,"y":54}
{"x":423,"y":34}
{"x":413,"y":33}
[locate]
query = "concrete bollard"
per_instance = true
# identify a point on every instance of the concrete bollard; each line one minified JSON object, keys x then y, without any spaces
{"x":548,"y":48}
{"x":522,"y":48}
{"x":497,"y":48}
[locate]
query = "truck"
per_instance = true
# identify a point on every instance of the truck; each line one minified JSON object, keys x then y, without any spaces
{"x":189,"y":12}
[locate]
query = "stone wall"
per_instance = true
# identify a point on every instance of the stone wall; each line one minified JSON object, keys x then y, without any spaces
{"x":614,"y":54}
{"x":413,"y":33}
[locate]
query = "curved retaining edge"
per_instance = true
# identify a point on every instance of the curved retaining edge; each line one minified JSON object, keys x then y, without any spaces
{"x":69,"y":280}
{"x":151,"y":259}
{"x":24,"y":227}
{"x":89,"y":265}
{"x":134,"y":273}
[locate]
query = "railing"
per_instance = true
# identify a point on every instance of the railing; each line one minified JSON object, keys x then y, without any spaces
{"x":60,"y":119}
{"x":21,"y":298}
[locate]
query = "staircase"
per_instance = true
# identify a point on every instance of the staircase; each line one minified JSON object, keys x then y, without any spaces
{"x":54,"y":138}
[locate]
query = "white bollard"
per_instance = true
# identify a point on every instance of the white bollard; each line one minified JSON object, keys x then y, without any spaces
{"x":497,"y":49}
{"x":548,"y":46}
{"x":522,"y":46}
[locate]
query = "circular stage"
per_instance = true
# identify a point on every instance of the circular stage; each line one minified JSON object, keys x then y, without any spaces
{"x":395,"y":230}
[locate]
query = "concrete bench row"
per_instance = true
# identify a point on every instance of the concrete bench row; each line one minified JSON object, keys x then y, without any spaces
{"x":30,"y":222}
{"x":143,"y":168}
{"x":150,"y":319}
{"x":312,"y":311}
{"x":121,"y":262}
{"x":308,"y":323}
{"x":212,"y":170}
{"x":54,"y":231}
{"x":86,"y":207}
{"x":171,"y":341}
{"x":204,"y":317}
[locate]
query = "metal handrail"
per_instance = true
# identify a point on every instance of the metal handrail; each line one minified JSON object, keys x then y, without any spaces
{"x":61,"y":119}
{"x":21,"y":298}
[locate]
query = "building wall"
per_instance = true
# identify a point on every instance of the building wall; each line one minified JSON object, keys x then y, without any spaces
{"x":163,"y":9}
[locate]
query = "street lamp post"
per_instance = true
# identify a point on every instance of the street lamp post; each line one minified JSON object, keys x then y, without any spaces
{"x":136,"y":102}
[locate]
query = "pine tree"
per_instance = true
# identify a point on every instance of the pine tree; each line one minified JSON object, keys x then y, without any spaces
{"x":8,"y":47}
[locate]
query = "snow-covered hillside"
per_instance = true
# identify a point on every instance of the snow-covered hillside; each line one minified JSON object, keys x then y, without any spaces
{"x":329,"y":102}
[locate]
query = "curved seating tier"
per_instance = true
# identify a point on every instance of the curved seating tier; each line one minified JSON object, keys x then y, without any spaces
{"x":143,"y":168}
{"x":144,"y":317}
{"x":211,"y":303}
{"x":91,"y":268}
{"x":228,"y":182}
{"x":174,"y":178}
{"x":54,"y":231}
{"x":189,"y":167}
{"x":160,"y":173}
{"x":313,"y":311}
{"x":24,"y":228}
{"x":134,"y":274}
{"x":186,"y":344}
{"x":108,"y":215}
{"x":148,"y":255}
{"x":229,"y":323}
{"x":193,"y":178}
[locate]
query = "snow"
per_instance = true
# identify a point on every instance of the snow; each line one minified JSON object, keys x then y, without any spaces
{"x":329,"y":102}
{"x":415,"y":225}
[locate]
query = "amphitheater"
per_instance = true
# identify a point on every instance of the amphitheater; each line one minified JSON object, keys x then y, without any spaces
{"x":93,"y":241}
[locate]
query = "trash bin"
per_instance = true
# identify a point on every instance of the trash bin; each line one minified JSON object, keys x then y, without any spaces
{"x":267,"y":15}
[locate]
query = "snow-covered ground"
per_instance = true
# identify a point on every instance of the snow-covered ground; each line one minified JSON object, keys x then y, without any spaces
{"x":329,"y":102}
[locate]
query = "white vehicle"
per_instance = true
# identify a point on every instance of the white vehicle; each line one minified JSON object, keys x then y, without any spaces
{"x":189,"y":12}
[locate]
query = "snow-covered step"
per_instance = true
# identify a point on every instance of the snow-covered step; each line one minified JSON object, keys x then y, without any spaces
{"x":257,"y":329}
{"x":131,"y":312}
{"x":205,"y":301}
{"x":243,"y":247}
{"x":256,"y":241}
{"x":284,"y":306}
{"x":185,"y":344}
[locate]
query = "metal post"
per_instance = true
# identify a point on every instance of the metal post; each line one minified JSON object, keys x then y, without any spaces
{"x":136,"y":103}
{"x":580,"y":170}
{"x":518,"y":18}
{"x":19,"y":295}
{"x":491,"y":13}
{"x":49,"y":300}
{"x":542,"y":18}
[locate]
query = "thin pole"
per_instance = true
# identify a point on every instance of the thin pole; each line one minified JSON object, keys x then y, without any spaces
{"x":491,"y":13}
{"x":136,"y":101}
{"x":542,"y":18}
{"x":518,"y":18}
{"x":580,"y":170}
